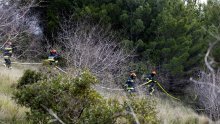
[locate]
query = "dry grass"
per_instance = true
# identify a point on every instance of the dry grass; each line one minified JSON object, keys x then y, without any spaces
{"x":10,"y":112}
{"x":170,"y":112}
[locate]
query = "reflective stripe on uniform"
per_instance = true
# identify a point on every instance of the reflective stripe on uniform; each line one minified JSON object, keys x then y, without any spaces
{"x":6,"y":57}
{"x":131,"y":81}
{"x":51,"y":58}
{"x":8,"y":49}
{"x":130,"y":88}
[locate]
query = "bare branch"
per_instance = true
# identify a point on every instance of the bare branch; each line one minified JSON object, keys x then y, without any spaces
{"x":207,"y":56}
{"x":53,"y":114}
{"x":93,"y":48}
{"x":19,"y":26}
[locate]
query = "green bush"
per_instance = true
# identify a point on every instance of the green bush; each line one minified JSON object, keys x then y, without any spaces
{"x":105,"y":112}
{"x":72,"y":99}
{"x":65,"y":96}
{"x":145,"y":110}
{"x":29,"y":77}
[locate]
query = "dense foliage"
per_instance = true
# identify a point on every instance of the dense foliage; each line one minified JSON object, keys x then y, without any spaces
{"x":168,"y":34}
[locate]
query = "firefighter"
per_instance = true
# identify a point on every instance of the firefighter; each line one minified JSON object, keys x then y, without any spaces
{"x":130,"y":83}
{"x":150,"y":81}
{"x":7,"y":53}
{"x":53,"y":57}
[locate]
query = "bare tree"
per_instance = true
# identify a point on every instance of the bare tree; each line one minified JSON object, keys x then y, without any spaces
{"x":207,"y":86}
{"x":93,"y":48}
{"x":17,"y":24}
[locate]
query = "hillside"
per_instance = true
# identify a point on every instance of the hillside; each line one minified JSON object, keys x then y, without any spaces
{"x":166,"y":51}
{"x":168,"y":112}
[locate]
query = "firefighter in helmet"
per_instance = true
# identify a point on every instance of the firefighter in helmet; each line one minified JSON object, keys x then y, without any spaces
{"x":53,"y":57}
{"x":7,"y":53}
{"x":130,"y":83}
{"x":150,"y":81}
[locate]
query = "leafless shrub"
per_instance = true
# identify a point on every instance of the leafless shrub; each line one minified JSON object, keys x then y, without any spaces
{"x":208,"y":93}
{"x":207,"y":86}
{"x":94,"y":48}
{"x":17,"y":24}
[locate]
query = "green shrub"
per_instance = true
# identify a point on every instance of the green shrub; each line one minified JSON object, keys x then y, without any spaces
{"x":29,"y":77}
{"x":72,"y":99}
{"x":105,"y":112}
{"x":145,"y":110}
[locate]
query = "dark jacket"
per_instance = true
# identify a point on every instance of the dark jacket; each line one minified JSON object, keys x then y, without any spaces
{"x":149,"y":78}
{"x":130,"y":82}
{"x":53,"y":57}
